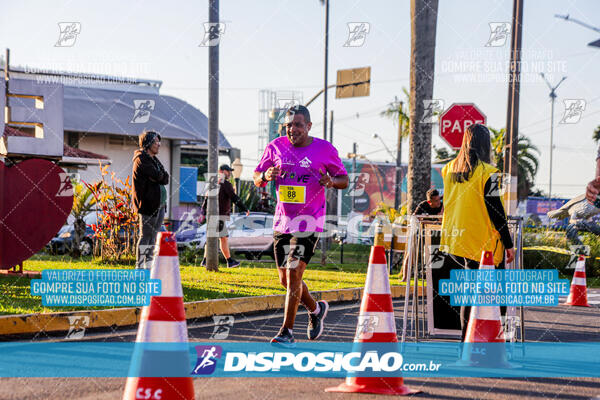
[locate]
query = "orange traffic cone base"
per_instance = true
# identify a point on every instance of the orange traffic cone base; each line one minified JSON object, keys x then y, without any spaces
{"x":375,"y":388}
{"x":159,"y":388}
{"x":577,"y":297}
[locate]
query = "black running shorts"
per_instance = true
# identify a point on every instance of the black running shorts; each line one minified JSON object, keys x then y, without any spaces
{"x":300,"y":246}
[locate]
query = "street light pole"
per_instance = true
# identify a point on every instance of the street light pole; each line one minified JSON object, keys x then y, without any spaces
{"x":552,"y":99}
{"x":398,"y":192}
{"x":212,"y":246}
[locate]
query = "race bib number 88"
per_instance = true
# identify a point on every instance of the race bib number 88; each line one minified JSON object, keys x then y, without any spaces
{"x":292,"y":194}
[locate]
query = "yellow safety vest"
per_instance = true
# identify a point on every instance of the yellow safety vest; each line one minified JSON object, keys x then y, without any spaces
{"x":466,"y":226}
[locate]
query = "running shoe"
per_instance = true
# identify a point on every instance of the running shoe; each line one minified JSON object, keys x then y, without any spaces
{"x":315,"y":321}
{"x":284,"y":339}
{"x":231,"y":263}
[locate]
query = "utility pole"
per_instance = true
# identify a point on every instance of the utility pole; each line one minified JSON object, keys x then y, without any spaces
{"x":552,"y":99}
{"x":354,"y":151}
{"x":511,"y":139}
{"x":331,"y":196}
{"x":326,"y":3}
{"x":212,"y":249}
{"x":398,"y":193}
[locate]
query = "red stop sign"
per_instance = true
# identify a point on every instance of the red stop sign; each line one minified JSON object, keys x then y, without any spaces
{"x":456,"y":119}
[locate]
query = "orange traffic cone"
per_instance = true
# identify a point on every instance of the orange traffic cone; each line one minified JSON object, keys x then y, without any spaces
{"x":375,"y":324}
{"x":162,"y":321}
{"x":485,"y":326}
{"x":578,"y":293}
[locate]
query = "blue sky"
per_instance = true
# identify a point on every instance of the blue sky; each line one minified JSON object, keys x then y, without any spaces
{"x":278,"y":45}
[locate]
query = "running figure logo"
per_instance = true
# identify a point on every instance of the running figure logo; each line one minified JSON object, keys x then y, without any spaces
{"x":212,"y":34}
{"x":223,"y":324}
{"x":366,"y":326}
{"x":431,"y":110}
{"x":437,"y":256}
{"x":357,"y":33}
{"x":358,"y":181}
{"x":573,"y":111}
{"x":207,"y":359}
{"x":66,"y":188}
{"x":499,"y":32}
{"x":142,"y":111}
{"x":77,"y":327}
{"x":68,"y":34}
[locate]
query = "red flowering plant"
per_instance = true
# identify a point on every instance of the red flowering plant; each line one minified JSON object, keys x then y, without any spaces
{"x":116,"y":227}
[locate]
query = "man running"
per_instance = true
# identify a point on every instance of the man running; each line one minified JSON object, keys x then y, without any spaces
{"x":301,"y":167}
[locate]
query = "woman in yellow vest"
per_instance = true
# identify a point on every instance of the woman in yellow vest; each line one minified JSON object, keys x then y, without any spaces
{"x":474,"y":218}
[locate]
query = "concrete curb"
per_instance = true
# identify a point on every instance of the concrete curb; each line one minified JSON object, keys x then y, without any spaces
{"x":119,"y":317}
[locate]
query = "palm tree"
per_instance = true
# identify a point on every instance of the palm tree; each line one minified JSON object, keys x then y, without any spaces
{"x":527,"y":160}
{"x":423,"y":15}
{"x":596,"y":134}
{"x":395,"y":113}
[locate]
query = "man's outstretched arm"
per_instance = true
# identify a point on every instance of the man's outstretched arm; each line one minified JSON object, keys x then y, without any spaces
{"x":593,"y":188}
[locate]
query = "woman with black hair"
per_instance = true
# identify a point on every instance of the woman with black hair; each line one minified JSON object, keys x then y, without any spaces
{"x":474,"y":219}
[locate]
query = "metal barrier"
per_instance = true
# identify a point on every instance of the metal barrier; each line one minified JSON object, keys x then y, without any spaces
{"x":423,"y":232}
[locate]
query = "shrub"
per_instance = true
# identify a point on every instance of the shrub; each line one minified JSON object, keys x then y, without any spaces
{"x":116,"y":230}
{"x":543,"y":259}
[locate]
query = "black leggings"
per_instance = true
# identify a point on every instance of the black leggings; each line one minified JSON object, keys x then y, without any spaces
{"x":455,"y":262}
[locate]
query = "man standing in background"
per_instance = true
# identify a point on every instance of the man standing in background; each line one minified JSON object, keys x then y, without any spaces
{"x":226,"y":197}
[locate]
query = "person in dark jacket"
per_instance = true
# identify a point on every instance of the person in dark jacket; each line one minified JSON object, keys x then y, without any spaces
{"x":149,"y":195}
{"x":226,"y":197}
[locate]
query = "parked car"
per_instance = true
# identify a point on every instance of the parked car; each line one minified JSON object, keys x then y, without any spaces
{"x":192,"y":238}
{"x":250,"y":236}
{"x":63,"y":241}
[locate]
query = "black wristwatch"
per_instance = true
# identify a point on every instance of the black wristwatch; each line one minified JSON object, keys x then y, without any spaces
{"x":262,"y":177}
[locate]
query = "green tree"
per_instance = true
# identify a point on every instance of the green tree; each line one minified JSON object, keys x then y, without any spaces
{"x":527,"y":160}
{"x":596,"y":134}
{"x":398,"y":112}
